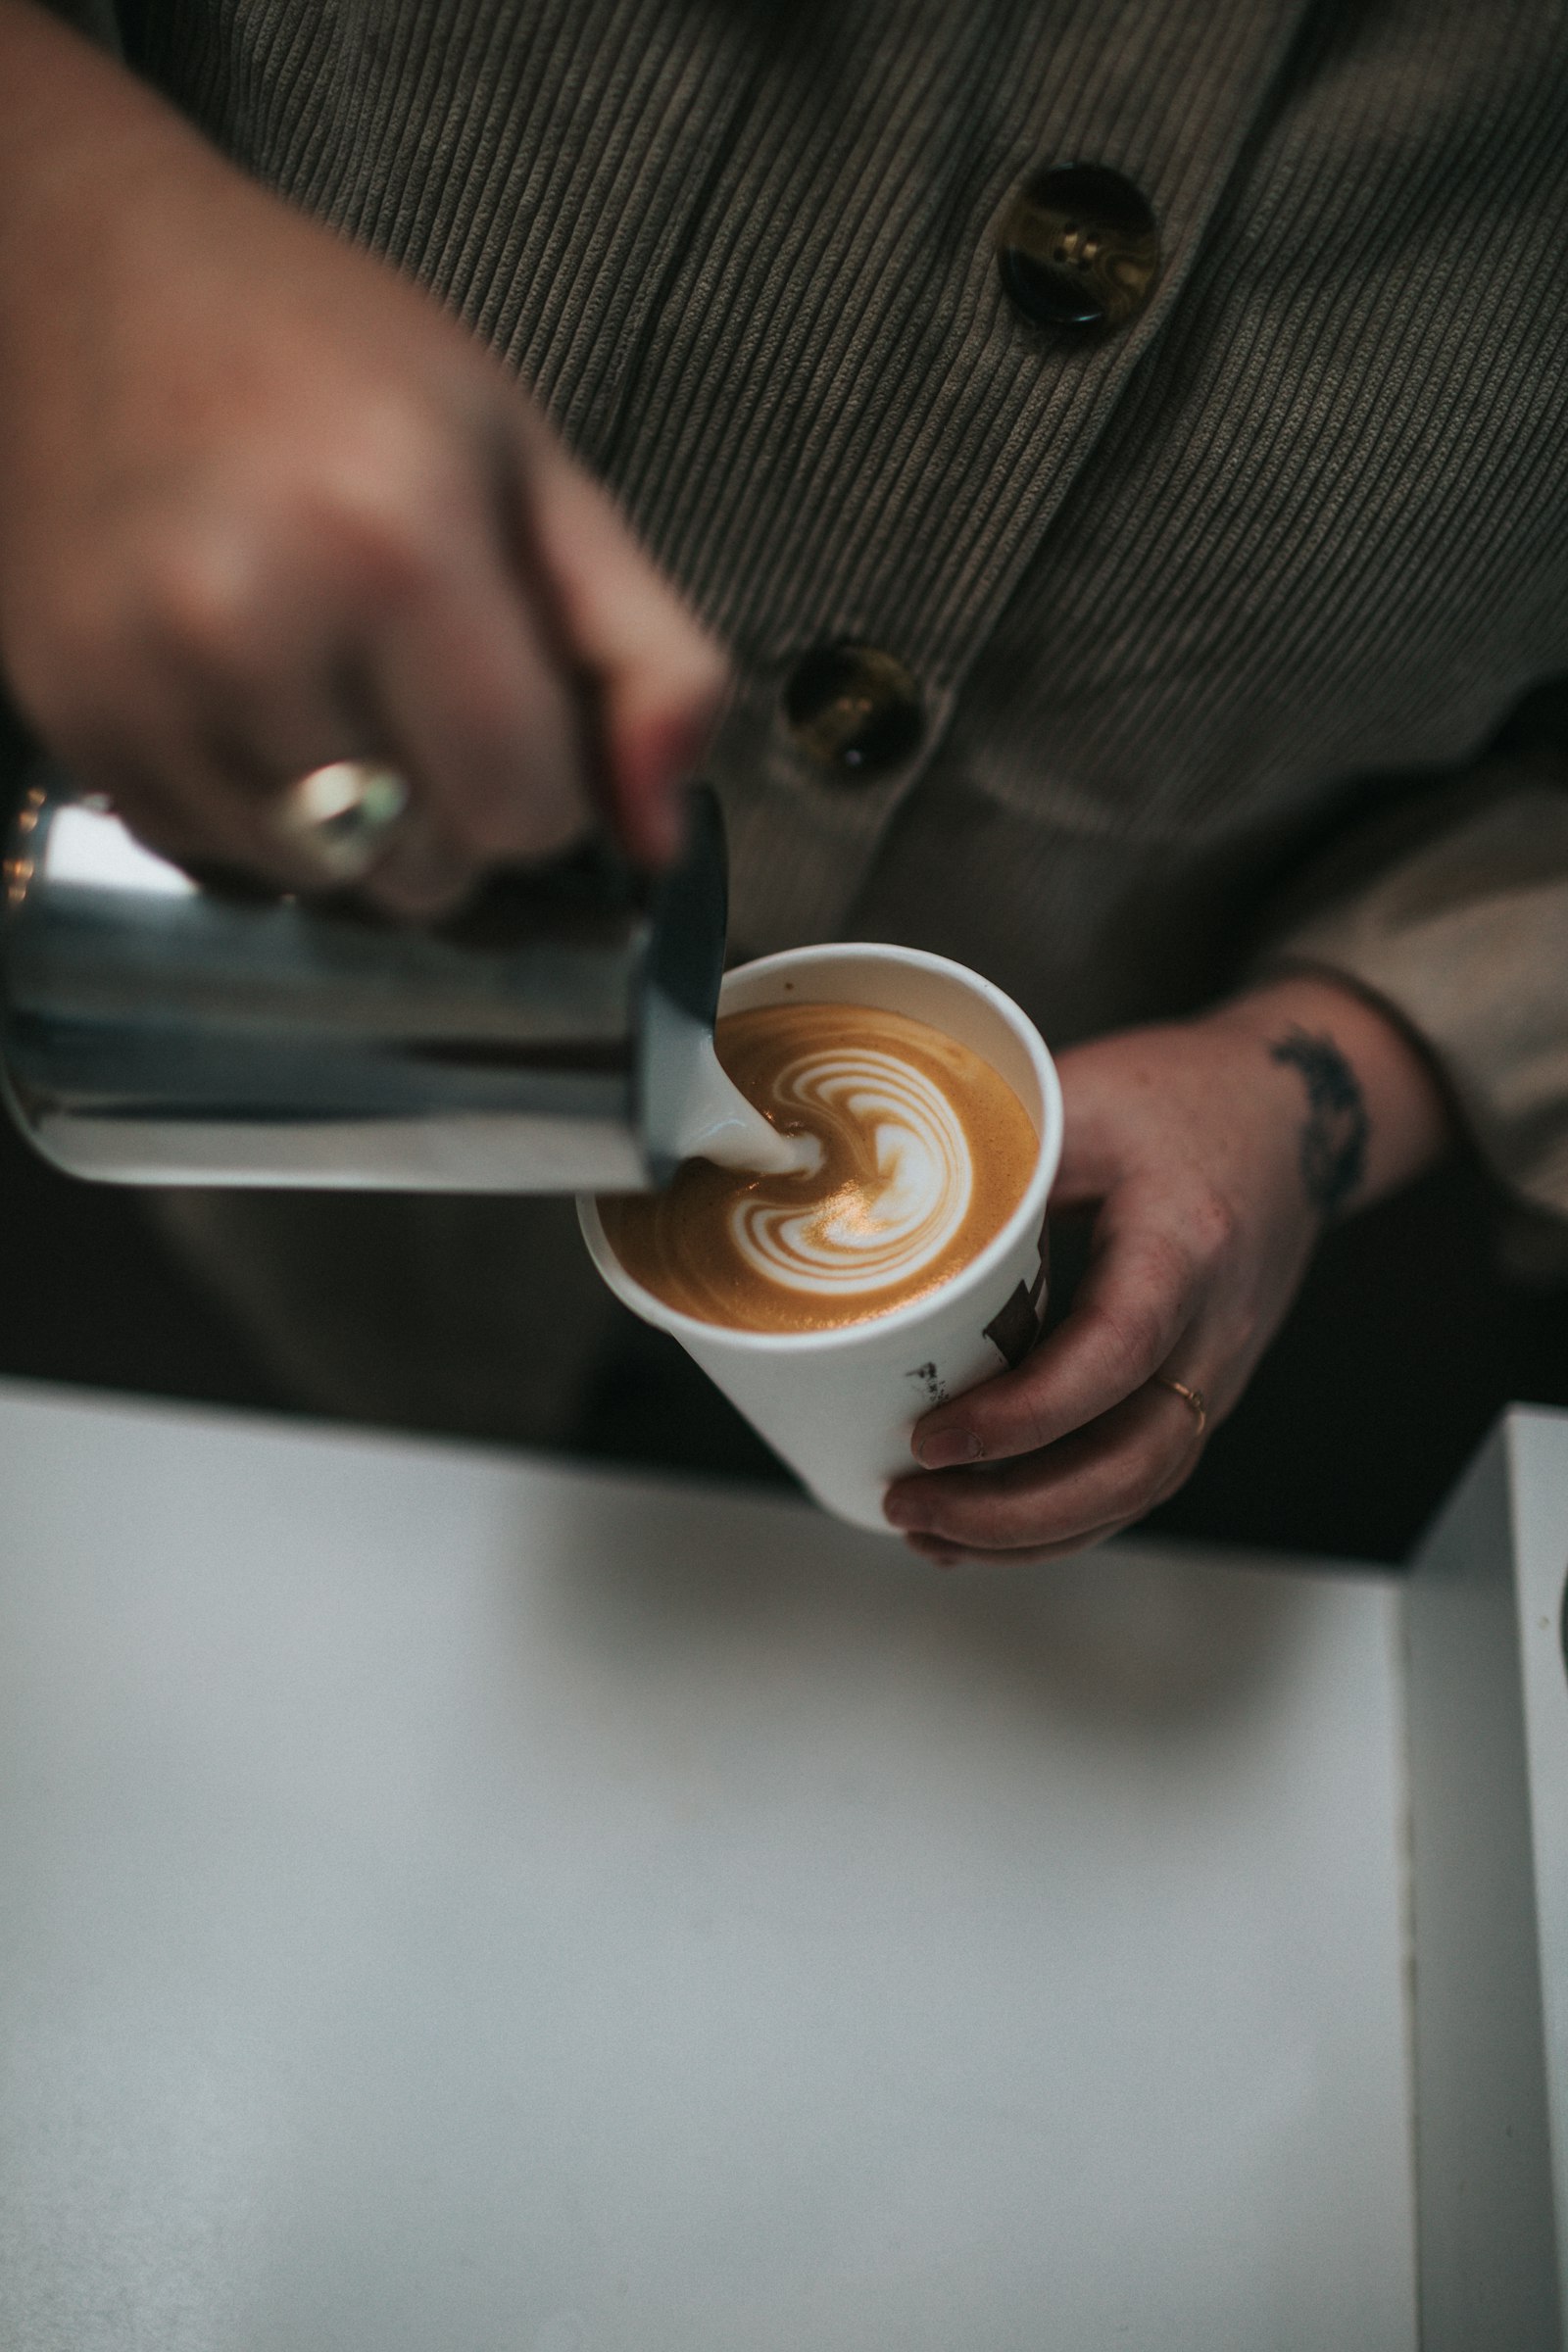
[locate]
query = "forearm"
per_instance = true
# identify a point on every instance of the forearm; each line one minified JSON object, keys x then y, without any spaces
{"x":1452,"y":907}
{"x":67,"y":111}
{"x":1366,"y":1104}
{"x":83,"y":147}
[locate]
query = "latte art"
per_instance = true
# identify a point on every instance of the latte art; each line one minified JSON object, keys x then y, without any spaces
{"x":909,"y":1191}
{"x":923,"y":1152}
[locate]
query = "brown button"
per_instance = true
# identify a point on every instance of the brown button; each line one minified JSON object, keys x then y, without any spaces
{"x":854,"y":709}
{"x":1078,"y":248}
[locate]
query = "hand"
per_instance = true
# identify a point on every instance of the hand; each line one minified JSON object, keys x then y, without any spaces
{"x":264,"y":506}
{"x":1212,"y":1151}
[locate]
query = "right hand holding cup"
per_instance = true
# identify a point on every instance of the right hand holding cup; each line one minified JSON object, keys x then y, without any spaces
{"x":1212,"y":1152}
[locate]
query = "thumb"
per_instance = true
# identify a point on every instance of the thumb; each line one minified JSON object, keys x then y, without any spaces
{"x":659,"y":681}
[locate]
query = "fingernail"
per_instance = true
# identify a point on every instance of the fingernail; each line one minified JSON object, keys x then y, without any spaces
{"x":900,"y":1514}
{"x":946,"y":1446}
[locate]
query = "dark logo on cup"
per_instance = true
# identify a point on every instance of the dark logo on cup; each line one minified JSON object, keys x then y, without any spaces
{"x":1015,"y":1327}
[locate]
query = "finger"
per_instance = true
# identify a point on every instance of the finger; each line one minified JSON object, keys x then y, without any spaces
{"x":942,"y":1554}
{"x":422,"y":873}
{"x":1115,"y":1470}
{"x":211,"y":807}
{"x":1132,"y":1309}
{"x":482,"y":718}
{"x":660,"y":681}
{"x":263,"y":732}
{"x":202,"y":729}
{"x":949,"y":1554}
{"x":183,"y":801}
{"x":302,"y":704}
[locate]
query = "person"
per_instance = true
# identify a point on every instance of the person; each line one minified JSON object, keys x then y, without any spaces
{"x":1095,"y":483}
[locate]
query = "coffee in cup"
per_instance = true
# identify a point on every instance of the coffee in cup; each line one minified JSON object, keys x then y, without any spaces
{"x":923,"y":1152}
{"x":836,"y":1377}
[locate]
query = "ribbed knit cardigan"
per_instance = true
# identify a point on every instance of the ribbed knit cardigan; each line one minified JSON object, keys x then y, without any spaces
{"x":1219,"y":623}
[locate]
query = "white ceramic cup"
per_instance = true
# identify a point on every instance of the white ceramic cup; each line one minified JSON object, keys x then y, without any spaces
{"x":839,"y":1405}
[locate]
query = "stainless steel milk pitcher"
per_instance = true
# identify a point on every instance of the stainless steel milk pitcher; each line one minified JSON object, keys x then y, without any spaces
{"x":155,"y":1032}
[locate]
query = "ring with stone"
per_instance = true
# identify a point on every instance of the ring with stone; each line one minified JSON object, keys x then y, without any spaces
{"x":340,"y":819}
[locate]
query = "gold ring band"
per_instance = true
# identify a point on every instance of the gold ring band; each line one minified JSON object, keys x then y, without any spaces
{"x":1192,"y":1396}
{"x":341,"y":817}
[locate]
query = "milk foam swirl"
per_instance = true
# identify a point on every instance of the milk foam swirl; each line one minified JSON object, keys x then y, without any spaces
{"x":909,"y":1193}
{"x":916,"y":1153}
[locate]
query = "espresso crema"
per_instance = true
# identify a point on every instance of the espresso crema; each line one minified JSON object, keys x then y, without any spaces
{"x":924,"y":1153}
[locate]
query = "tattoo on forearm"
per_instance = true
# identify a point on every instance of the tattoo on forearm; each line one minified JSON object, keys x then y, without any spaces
{"x":1334,"y":1134}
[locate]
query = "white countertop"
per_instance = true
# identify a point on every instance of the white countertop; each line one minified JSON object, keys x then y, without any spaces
{"x":456,"y":1904}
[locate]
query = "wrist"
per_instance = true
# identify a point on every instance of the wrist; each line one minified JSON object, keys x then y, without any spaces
{"x":1370,"y":1110}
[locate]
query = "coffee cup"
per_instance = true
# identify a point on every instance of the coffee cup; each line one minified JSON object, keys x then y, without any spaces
{"x":839,"y":1404}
